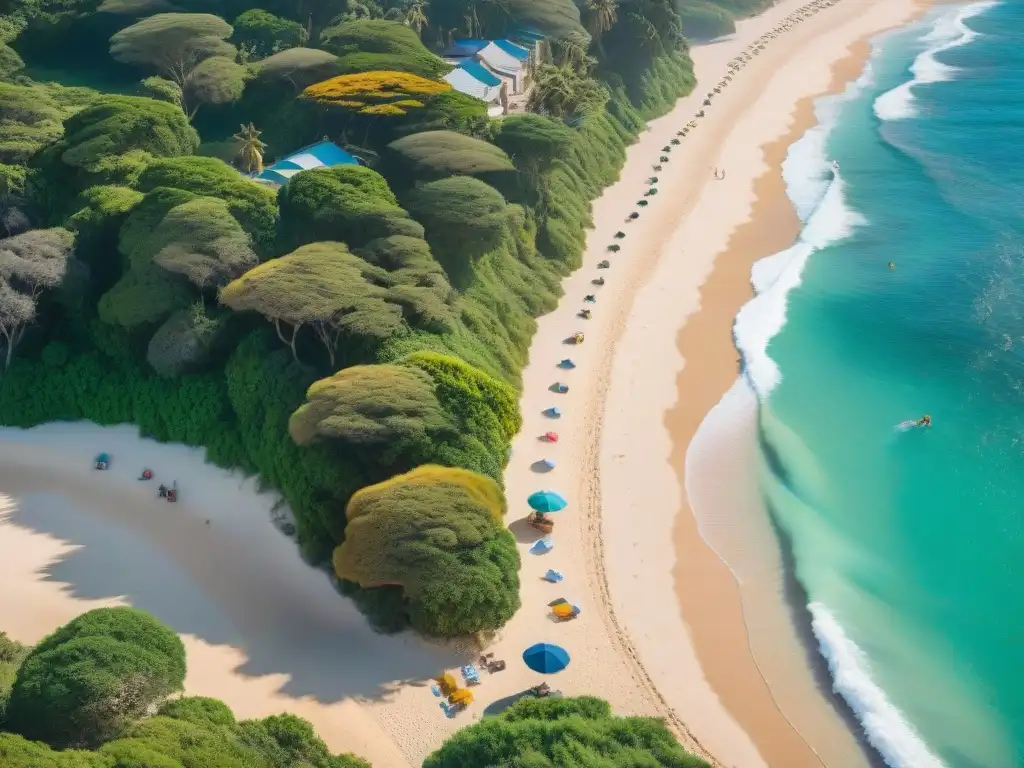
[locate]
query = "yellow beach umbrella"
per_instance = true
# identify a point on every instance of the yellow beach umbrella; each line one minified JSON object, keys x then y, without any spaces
{"x":562,"y":610}
{"x":462,"y":696}
{"x":448,"y":682}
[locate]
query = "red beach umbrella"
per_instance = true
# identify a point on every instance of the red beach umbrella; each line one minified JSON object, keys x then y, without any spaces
{"x":551,"y":437}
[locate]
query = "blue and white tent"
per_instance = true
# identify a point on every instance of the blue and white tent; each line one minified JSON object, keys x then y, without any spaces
{"x":323,"y":154}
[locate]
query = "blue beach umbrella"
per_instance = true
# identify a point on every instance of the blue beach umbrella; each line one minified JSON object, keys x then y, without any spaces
{"x":546,"y":658}
{"x":546,"y":501}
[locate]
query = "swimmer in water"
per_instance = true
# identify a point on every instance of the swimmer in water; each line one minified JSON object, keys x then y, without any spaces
{"x":924,"y":421}
{"x":892,"y":265}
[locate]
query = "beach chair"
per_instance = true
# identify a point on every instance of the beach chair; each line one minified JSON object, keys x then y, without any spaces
{"x":471,"y":675}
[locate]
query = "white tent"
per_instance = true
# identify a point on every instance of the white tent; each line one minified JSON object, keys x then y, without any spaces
{"x":463,"y":82}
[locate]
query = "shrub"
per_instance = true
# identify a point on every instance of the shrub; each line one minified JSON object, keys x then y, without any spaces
{"x":437,"y":533}
{"x":85,"y":683}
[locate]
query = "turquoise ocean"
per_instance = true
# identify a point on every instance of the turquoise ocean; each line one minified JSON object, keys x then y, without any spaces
{"x":908,"y":542}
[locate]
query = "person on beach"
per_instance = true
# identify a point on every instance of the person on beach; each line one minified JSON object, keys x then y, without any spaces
{"x":924,"y":421}
{"x":892,"y":265}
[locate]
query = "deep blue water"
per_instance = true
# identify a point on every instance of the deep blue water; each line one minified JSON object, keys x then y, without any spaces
{"x":910,"y":543}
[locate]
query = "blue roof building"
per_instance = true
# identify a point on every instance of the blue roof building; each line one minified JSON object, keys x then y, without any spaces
{"x":481,"y":73}
{"x":513,"y":49}
{"x":323,"y":154}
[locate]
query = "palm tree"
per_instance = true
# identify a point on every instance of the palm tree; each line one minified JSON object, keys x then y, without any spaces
{"x":415,"y":16}
{"x":600,"y":16}
{"x":250,"y":153}
{"x":571,"y":51}
{"x":563,"y":93}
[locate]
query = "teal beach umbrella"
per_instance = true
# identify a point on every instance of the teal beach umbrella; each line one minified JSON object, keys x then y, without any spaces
{"x":546,"y":658}
{"x":546,"y":501}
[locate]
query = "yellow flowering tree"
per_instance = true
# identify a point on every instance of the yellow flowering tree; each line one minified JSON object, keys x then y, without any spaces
{"x":367,"y":96}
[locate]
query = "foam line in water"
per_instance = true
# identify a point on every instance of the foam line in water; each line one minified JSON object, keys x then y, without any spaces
{"x":949,"y":31}
{"x":816,"y":191}
{"x":887,"y":730}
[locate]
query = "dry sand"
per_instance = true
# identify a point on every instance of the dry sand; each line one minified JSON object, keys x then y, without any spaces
{"x":266,"y":633}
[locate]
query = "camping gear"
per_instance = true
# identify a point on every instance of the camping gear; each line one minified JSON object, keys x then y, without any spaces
{"x":604,"y":264}
{"x":565,"y":611}
{"x":102,"y":461}
{"x":598,"y":281}
{"x":546,"y":658}
{"x":551,"y":437}
{"x":546,"y":501}
{"x":147,"y":474}
{"x":567,"y":363}
{"x":471,"y":674}
{"x":553,"y":412}
{"x":435,"y":689}
{"x":585,"y":314}
{"x":590,"y":298}
{"x":542,"y":546}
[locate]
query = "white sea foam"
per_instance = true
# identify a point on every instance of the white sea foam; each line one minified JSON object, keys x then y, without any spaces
{"x":886,"y":728}
{"x":817,"y":194}
{"x":949,"y":31}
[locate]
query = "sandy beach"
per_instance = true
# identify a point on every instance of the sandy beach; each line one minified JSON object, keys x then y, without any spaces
{"x":267,"y":633}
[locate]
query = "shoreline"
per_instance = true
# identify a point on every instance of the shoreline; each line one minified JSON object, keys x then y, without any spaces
{"x":267,"y":633}
{"x":779,"y":647}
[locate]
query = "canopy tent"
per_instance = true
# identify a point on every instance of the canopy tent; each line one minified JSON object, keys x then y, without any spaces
{"x":323,"y":154}
{"x":547,"y":501}
{"x":546,"y":658}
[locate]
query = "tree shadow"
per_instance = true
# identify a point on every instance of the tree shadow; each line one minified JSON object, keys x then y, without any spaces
{"x":243,"y":586}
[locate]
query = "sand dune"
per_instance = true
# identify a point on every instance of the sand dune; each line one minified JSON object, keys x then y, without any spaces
{"x":266,"y":633}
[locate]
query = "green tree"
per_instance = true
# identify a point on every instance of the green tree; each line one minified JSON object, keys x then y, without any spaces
{"x":298,"y":67}
{"x":189,"y":49}
{"x":438,"y":533}
{"x":599,"y":16}
{"x":263,"y":34}
{"x":323,"y":287}
{"x":88,"y":681}
{"x":416,"y":16}
{"x":13,"y":219}
{"x":10,"y":62}
{"x":349,"y":203}
{"x":464,"y":218}
{"x":29,"y":120}
{"x":433,"y":155}
{"x":564,"y":733}
{"x":564,"y":93}
{"x":116,"y":126}
{"x":254,"y":206}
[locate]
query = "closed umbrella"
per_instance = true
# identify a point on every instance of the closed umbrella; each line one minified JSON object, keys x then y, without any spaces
{"x":546,"y":501}
{"x":546,"y":658}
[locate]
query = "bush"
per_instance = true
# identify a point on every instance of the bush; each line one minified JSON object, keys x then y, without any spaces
{"x":564,"y":733}
{"x":89,"y":680}
{"x":365,"y":45}
{"x":439,"y":534}
{"x":434,"y":155}
{"x":264,"y":34}
{"x":349,"y":203}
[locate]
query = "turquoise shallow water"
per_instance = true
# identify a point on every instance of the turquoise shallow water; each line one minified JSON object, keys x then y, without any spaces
{"x":910,"y":544}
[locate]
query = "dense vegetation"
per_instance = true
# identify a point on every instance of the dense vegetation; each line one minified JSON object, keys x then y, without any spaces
{"x":100,"y":692}
{"x":94,"y":694}
{"x":563,"y":733}
{"x":356,"y":337}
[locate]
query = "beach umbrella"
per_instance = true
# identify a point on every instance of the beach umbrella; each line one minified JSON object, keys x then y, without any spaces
{"x":546,"y":501}
{"x":448,"y":683}
{"x":548,"y":463}
{"x":563,"y":610}
{"x":546,"y":658}
{"x":463,"y":697}
{"x":551,"y":437}
{"x":553,"y":412}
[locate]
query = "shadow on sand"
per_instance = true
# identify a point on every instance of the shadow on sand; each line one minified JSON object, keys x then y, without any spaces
{"x":245,"y":588}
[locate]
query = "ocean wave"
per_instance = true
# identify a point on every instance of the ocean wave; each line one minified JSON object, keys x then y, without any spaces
{"x":884,"y":725}
{"x":949,"y":31}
